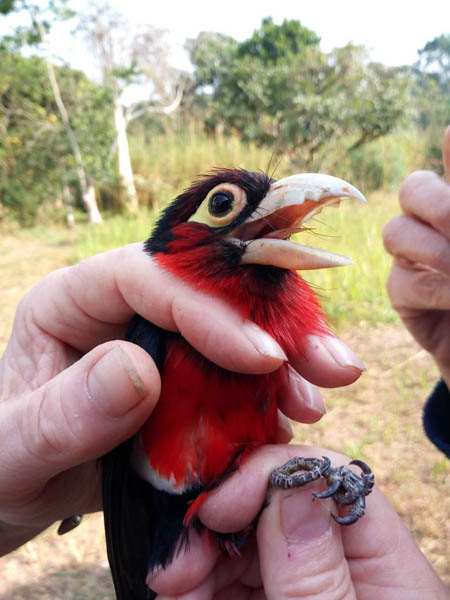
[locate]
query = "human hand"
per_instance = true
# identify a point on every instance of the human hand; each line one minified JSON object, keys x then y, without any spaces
{"x":419,"y":241}
{"x":299,"y":552}
{"x":72,"y":389}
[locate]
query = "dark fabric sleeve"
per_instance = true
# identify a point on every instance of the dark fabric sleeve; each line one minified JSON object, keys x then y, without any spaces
{"x":436,"y":417}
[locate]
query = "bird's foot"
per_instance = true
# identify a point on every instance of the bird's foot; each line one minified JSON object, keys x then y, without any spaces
{"x":344,"y":486}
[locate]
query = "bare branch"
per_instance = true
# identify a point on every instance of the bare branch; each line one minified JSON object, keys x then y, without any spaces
{"x":165,"y":110}
{"x":94,"y":214}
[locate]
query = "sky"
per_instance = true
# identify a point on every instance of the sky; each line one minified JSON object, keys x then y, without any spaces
{"x":393,"y":30}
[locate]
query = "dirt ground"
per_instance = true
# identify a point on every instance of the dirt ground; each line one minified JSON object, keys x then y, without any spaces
{"x":378,"y":419}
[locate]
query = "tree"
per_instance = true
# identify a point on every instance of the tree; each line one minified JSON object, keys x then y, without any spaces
{"x":127,"y":56}
{"x":35,"y":35}
{"x":36,"y":160}
{"x":278,"y":88}
{"x":275,"y":43}
{"x":432,"y":93}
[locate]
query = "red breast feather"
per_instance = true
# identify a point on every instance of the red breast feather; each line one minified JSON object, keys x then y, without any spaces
{"x":216,"y":417}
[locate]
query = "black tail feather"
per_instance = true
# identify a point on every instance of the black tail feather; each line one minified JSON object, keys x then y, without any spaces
{"x":143,"y":525}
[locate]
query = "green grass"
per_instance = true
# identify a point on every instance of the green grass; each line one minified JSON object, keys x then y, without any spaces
{"x":171,"y":162}
{"x":355,"y":294}
{"x":116,"y":231}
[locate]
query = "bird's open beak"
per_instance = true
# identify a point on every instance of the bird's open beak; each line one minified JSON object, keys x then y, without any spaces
{"x":288,"y":204}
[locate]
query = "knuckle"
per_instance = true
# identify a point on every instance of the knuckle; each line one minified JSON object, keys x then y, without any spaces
{"x":47,"y":432}
{"x":333,"y":581}
{"x":441,"y":218}
{"x":38,"y":441}
{"x":430,"y":289}
{"x":440,"y":254}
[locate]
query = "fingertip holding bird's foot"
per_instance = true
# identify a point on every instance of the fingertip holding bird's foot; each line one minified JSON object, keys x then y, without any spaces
{"x":347,"y":489}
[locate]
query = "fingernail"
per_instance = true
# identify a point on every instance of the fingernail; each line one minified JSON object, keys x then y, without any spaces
{"x":301,"y":518}
{"x":114,"y":385}
{"x":310,"y":394}
{"x":341,"y":353}
{"x":263,"y":342}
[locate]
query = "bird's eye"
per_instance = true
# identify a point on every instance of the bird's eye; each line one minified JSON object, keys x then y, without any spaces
{"x":220,"y":204}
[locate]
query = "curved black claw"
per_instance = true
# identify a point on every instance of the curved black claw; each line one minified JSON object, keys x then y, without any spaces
{"x":344,"y":486}
{"x":332,"y":489}
{"x":356,"y":512}
{"x":299,"y":471}
{"x":368,"y":477}
{"x":69,"y":524}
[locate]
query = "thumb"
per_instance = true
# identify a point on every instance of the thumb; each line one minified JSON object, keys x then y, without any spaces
{"x":300,"y":548}
{"x":79,"y":415}
{"x":446,"y":154}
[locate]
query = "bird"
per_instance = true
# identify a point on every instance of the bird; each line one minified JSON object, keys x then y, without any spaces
{"x":228,"y":235}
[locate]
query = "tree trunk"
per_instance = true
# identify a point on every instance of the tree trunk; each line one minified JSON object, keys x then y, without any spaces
{"x":88,"y":198}
{"x":90,"y":202}
{"x":126,"y":180}
{"x":68,"y":205}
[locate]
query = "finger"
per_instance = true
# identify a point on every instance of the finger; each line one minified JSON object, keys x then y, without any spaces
{"x":418,"y":289}
{"x":327,"y":362}
{"x":383,"y":555}
{"x":79,"y":415}
{"x":197,"y":574}
{"x":300,"y":549}
{"x":93,"y":301}
{"x":246,"y":489}
{"x":424,"y":195}
{"x":284,"y":432}
{"x":299,"y":399}
{"x":408,"y":238}
{"x":189,"y":572}
{"x":446,"y":154}
{"x":246,"y":492}
{"x":204,"y":591}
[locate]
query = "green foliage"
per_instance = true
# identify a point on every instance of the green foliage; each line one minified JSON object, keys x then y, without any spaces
{"x":279,"y":89}
{"x":29,"y":35}
{"x":276,"y":95}
{"x":170,"y":162}
{"x":432,"y":94}
{"x":35,"y":158}
{"x":6,"y":6}
{"x":434,"y":58}
{"x":276,"y":43}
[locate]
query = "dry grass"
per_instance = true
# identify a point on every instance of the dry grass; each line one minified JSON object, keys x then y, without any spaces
{"x":377,"y":419}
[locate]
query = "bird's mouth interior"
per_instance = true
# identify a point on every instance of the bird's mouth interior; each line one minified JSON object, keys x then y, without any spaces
{"x":282,"y":223}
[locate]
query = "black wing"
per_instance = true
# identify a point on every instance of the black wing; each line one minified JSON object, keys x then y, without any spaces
{"x":127,"y":499}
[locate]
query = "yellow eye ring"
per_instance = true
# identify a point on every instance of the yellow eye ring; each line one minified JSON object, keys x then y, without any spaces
{"x":215,"y":203}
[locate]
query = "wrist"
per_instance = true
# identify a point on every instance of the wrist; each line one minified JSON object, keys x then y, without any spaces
{"x":13,"y":536}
